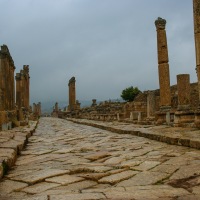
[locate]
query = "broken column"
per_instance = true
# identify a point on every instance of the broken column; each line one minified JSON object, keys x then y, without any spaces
{"x":72,"y":94}
{"x":151,"y":104}
{"x":196,"y":15}
{"x":183,"y":115}
{"x":163,"y":70}
{"x":94,"y":102}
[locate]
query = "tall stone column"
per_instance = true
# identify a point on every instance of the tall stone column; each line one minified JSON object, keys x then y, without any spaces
{"x":163,"y":71}
{"x":196,"y":15}
{"x":72,"y":94}
{"x":163,"y":66}
{"x":18,"y":90}
{"x":26,"y":86}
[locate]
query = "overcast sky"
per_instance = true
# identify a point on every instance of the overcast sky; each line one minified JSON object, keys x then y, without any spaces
{"x":107,"y":45}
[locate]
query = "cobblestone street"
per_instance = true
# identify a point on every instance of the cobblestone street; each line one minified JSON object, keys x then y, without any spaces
{"x":68,"y":161}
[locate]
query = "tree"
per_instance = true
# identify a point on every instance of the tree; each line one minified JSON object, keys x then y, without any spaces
{"x":130,"y":93}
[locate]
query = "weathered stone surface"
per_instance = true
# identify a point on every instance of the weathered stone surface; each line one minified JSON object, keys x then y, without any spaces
{"x":40,"y":187}
{"x":40,"y":175}
{"x":93,"y":176}
{"x":77,"y":186}
{"x":8,"y":186}
{"x":169,"y":169}
{"x":85,"y":196}
{"x":9,"y":155}
{"x":115,"y":178}
{"x":186,"y":171}
{"x":144,"y":178}
{"x":56,"y":148}
{"x":113,"y":161}
{"x":65,"y":179}
{"x":146,"y":165}
{"x":98,"y":155}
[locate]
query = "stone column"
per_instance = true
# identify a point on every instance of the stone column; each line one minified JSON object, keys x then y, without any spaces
{"x":183,"y":87}
{"x":183,"y":115}
{"x":163,"y":70}
{"x":196,"y":15}
{"x":151,"y":104}
{"x":72,"y":94}
{"x":56,"y":107}
{"x":94,"y":102}
{"x":26,"y":86}
{"x":163,"y":66}
{"x":18,"y":90}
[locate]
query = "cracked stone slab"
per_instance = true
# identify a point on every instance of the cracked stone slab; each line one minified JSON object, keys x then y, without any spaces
{"x":77,"y":186}
{"x":98,"y":155}
{"x":186,"y":171}
{"x":8,"y":186}
{"x":40,"y":175}
{"x":65,"y":179}
{"x":115,"y":178}
{"x":10,"y":154}
{"x":40,"y":187}
{"x":146,"y":165}
{"x":113,"y":161}
{"x":157,"y":190}
{"x":84,"y":196}
{"x":144,"y":178}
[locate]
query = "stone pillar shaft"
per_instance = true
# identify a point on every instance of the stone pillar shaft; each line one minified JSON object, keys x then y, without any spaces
{"x":196,"y":14}
{"x":163,"y":66}
{"x":72,"y":94}
{"x":151,"y":104}
{"x":183,"y":87}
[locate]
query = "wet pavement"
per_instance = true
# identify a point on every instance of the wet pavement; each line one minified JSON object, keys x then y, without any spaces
{"x":64,"y":160}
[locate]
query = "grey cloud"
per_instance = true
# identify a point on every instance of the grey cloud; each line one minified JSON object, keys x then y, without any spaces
{"x":106,"y":44}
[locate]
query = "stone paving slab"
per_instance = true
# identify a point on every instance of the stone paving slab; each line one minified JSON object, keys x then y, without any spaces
{"x":188,"y":137}
{"x":38,"y":176}
{"x":57,"y":164}
{"x":65,"y":179}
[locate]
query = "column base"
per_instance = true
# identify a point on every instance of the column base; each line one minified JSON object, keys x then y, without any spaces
{"x":164,"y":115}
{"x":184,"y":118}
{"x":197,"y":118}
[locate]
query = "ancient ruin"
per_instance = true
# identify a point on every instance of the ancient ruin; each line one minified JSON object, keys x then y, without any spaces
{"x":72,"y":94}
{"x":7,"y":89}
{"x":163,"y":69}
{"x":196,"y":15}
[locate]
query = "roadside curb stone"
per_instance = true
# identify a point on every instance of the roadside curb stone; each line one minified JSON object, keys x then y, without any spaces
{"x":16,"y":139}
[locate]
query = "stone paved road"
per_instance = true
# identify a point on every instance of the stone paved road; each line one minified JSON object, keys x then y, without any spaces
{"x":67,"y":161}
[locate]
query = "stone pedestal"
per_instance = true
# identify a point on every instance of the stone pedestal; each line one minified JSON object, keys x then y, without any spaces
{"x":184,"y":114}
{"x":164,"y":115}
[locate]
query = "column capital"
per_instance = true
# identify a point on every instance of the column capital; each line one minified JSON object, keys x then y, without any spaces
{"x":160,"y":23}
